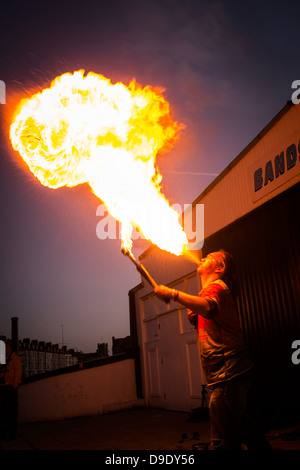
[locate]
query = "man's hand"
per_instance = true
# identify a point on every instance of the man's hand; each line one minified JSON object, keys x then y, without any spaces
{"x":198,"y":305}
{"x":164,"y":293}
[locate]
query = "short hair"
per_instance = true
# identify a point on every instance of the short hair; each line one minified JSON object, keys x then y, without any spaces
{"x":228,"y":262}
{"x":229,"y":273}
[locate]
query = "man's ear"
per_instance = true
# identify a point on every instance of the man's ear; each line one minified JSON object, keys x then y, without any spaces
{"x":220,"y":269}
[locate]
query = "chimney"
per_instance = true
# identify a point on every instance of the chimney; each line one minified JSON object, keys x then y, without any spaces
{"x":15,"y":334}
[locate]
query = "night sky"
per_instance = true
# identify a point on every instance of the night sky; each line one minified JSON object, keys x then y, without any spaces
{"x":227,"y":69}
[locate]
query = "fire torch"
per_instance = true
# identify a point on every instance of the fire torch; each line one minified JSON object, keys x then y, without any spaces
{"x":141,"y":269}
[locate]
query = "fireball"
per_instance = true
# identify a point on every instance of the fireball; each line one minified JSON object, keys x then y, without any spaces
{"x":85,"y":129}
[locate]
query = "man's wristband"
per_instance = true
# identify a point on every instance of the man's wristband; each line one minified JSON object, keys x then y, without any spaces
{"x":175,"y":295}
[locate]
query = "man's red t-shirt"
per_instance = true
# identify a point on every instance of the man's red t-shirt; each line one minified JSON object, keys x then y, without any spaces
{"x":222,"y":348}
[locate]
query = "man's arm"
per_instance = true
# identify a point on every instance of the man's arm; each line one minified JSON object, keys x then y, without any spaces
{"x":196,"y":304}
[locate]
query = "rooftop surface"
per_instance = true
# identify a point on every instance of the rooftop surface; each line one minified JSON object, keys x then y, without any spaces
{"x":135,"y":429}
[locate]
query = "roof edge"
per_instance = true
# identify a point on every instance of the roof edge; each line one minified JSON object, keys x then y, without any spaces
{"x":239,"y":157}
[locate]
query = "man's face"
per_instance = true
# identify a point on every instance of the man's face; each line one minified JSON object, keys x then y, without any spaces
{"x":211,"y":263}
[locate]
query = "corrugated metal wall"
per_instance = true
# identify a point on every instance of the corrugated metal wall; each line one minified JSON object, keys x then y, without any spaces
{"x":265,"y":245}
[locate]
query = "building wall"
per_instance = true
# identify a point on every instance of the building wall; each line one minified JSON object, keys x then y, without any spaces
{"x":86,"y":392}
{"x":170,"y":363}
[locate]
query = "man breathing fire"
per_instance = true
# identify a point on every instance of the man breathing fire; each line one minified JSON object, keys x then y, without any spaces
{"x":224,"y":357}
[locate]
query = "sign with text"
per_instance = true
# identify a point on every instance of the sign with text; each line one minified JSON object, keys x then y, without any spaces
{"x":275,"y":168}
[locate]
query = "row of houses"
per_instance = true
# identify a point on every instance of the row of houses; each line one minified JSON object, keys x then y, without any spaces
{"x":38,"y":357}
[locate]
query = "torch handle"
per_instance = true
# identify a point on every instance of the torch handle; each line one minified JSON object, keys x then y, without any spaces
{"x":142,"y":270}
{"x":146,"y":275}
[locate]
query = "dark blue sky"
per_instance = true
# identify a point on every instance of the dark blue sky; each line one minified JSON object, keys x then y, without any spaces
{"x":227,"y":69}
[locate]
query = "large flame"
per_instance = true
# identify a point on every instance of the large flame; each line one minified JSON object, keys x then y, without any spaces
{"x":86,"y":129}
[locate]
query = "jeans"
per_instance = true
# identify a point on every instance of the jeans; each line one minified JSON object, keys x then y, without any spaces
{"x":230,"y":423}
